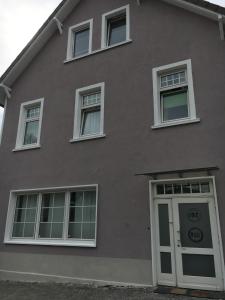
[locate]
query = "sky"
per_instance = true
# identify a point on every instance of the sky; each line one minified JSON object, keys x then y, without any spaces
{"x":20,"y":20}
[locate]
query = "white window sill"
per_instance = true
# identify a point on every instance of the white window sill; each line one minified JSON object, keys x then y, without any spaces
{"x":67,"y":243}
{"x":86,"y":138}
{"x":23,"y":148}
{"x":97,"y":51}
{"x":176,"y":123}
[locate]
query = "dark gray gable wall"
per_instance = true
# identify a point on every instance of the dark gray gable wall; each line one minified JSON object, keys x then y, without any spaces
{"x":161,"y":34}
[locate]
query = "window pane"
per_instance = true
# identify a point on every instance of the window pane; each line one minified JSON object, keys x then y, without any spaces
{"x":195,"y":228}
{"x":173,"y":79}
{"x":198,"y":265}
{"x":76,"y":214}
{"x":89,"y":214}
{"x":59,"y":200}
{"x":25,"y":217}
{"x":47,"y":200}
{"x":21,"y":201}
{"x":76,"y":199}
{"x":91,"y":99}
{"x":31,"y":132}
{"x":205,"y":187}
{"x":20,"y":215}
{"x":57,"y":230}
{"x":166,"y":264}
{"x":90,"y":198}
{"x":169,"y":189}
{"x":81,"y":42}
{"x":46,"y":215}
{"x":88,"y":231}
{"x":175,"y":105}
{"x":31,"y":215}
{"x":117,"y":30}
{"x":18,"y":230}
{"x":45,"y":230}
{"x":90,"y":121}
{"x":177,"y":188}
{"x":160,"y":189}
{"x":33,"y":112}
{"x":164,"y":230}
{"x":74,"y":230}
{"x":58,"y":214}
{"x":29,"y":230}
{"x":32,"y":201}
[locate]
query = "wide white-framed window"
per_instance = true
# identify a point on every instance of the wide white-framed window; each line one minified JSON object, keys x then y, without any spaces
{"x":29,"y":127}
{"x":116,"y":27}
{"x":65,"y":216}
{"x":89,"y":112}
{"x":80,"y":40}
{"x":173,"y":94}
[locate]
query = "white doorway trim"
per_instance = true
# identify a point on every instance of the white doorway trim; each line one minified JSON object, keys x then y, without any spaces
{"x":153,"y":223}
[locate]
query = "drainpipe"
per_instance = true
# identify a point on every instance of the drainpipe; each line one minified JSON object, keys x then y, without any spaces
{"x":6,"y":89}
{"x":221,"y":27}
{"x":59,"y":25}
{"x":138,"y":2}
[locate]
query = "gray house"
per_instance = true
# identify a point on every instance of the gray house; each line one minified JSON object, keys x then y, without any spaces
{"x":112,"y":149}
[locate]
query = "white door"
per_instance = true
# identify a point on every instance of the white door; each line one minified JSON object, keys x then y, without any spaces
{"x":187,"y":243}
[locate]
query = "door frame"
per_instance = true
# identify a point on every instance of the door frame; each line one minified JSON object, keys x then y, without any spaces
{"x":152,"y":184}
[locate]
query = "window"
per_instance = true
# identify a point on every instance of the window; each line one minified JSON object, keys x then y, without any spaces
{"x":174,"y":101}
{"x":183,"y":188}
{"x":116,"y":27}
{"x":80,"y":40}
{"x":29,"y":129}
{"x":89,"y":112}
{"x":59,"y":217}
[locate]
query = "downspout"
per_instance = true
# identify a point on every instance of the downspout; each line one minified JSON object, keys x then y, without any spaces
{"x":6,"y":89}
{"x":221,"y":27}
{"x":59,"y":25}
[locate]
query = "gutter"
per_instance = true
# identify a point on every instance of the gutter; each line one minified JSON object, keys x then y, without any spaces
{"x":38,"y":41}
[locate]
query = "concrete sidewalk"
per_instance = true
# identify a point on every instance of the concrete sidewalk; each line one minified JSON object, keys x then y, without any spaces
{"x":54,"y":291}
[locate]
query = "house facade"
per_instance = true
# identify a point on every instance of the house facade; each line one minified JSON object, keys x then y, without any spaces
{"x":112,"y":147}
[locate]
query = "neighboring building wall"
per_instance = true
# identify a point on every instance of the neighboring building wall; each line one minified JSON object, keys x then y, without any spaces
{"x":161,"y":34}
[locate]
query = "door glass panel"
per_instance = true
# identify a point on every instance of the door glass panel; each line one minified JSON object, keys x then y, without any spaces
{"x":198,"y":265}
{"x":166,"y":265}
{"x":195,"y":229}
{"x":164,"y":233}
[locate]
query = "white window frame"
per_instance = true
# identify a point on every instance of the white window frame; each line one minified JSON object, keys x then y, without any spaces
{"x":109,"y":15}
{"x":156,"y":73}
{"x":71,"y":36}
{"x":45,"y":241}
{"x":3,"y":120}
{"x":21,"y":125}
{"x":100,"y":87}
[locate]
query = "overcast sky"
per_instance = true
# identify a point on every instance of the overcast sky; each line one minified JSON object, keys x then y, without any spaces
{"x":19,"y":21}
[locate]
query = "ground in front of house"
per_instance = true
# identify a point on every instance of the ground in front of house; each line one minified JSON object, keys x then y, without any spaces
{"x":55,"y":291}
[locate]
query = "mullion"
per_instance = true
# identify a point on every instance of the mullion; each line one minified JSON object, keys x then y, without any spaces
{"x":82,"y":216}
{"x":25,"y":216}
